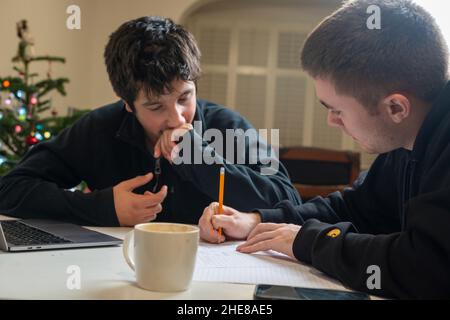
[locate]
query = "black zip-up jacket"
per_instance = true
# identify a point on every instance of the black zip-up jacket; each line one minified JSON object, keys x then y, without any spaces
{"x":107,"y":146}
{"x":397,"y":218}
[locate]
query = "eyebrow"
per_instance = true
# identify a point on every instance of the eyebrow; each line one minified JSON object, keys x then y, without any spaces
{"x":152,"y":103}
{"x":326,"y":105}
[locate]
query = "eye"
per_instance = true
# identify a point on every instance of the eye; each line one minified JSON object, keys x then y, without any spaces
{"x":336,"y":112}
{"x":184,"y":98}
{"x":156,"y":108}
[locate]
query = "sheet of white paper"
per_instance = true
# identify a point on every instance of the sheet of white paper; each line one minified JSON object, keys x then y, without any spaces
{"x":222,"y":263}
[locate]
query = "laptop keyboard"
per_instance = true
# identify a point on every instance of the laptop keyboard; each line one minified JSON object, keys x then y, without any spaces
{"x":21,"y":234}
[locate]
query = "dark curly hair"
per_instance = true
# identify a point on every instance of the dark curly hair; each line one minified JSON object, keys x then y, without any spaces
{"x":149,"y":53}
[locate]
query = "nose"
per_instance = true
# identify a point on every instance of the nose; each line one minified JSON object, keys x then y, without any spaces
{"x":334,"y":120}
{"x":176,"y":117}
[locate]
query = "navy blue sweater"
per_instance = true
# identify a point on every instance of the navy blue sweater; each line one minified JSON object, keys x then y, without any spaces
{"x":107,"y":146}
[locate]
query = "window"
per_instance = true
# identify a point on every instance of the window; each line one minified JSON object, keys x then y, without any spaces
{"x":250,"y":61}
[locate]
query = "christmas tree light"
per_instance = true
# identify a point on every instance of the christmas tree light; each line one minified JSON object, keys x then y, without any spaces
{"x":23,"y":99}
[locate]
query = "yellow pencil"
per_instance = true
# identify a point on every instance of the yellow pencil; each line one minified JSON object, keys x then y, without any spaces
{"x":221,"y":190}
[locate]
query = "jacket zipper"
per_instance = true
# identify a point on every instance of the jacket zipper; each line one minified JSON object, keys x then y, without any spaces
{"x":157,"y":187}
{"x":157,"y":175}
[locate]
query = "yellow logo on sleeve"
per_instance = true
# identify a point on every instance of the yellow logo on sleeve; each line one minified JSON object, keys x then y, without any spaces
{"x":334,"y":233}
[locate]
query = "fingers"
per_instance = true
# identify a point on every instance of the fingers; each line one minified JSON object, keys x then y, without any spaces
{"x":166,"y":147}
{"x":215,"y":208}
{"x":145,"y":204}
{"x":161,"y":194}
{"x":207,"y":230}
{"x":263,"y":245}
{"x":187,"y":126}
{"x":228,"y":210}
{"x":131,"y":184}
{"x":141,"y":216}
{"x":144,"y":214}
{"x":144,"y":218}
{"x":262,"y":238}
{"x":157,"y":149}
{"x":264,"y":227}
{"x":175,"y":152}
{"x":149,"y":212}
{"x":149,"y":199}
{"x":232,"y":223}
{"x":179,"y":132}
{"x":258,"y":238}
{"x":222,"y":221}
{"x":132,"y":208}
{"x":167,"y":142}
{"x":211,"y":235}
{"x":279,"y":238}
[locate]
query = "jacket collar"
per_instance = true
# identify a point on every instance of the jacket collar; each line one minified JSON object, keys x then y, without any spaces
{"x":434,"y":119}
{"x":131,"y":131}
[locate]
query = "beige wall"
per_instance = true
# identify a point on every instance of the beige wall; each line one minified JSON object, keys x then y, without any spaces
{"x":83,"y":49}
{"x":47,"y":21}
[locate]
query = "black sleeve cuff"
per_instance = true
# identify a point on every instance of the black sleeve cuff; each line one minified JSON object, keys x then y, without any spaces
{"x":284,"y":212}
{"x":312,"y":236}
{"x":105,"y":212}
{"x":303,"y":242}
{"x":270,"y":215}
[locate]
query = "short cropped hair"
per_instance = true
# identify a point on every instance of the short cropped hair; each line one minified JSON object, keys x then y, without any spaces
{"x":408,"y":54}
{"x":149,"y":53}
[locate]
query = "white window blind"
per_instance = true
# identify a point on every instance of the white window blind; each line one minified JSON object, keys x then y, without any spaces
{"x":289,"y":45}
{"x":253,"y":46}
{"x":213,"y":87}
{"x":289,"y":109}
{"x":250,"y":98}
{"x":254,"y":68}
{"x":215,"y":45}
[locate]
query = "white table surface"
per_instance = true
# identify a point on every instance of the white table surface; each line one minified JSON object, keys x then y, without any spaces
{"x":104,"y":275}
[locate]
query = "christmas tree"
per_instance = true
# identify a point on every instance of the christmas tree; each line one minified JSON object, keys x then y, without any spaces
{"x":23,"y":98}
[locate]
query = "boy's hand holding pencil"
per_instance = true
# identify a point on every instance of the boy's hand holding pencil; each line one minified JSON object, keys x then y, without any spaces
{"x":235,"y":225}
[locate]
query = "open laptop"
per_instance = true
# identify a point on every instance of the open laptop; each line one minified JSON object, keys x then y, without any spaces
{"x":37,"y":234}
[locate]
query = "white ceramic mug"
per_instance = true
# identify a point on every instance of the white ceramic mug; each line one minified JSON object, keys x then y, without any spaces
{"x":164,"y":255}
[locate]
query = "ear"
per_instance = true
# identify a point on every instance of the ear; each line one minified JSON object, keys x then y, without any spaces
{"x":128,"y":108}
{"x":398,"y":107}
